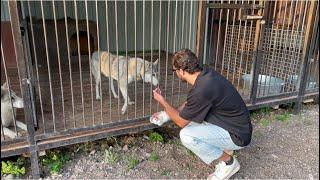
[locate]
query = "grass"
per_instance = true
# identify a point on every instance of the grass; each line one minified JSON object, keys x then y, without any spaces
{"x":15,"y":168}
{"x":154,"y":156}
{"x":283,"y":117}
{"x":264,"y":122}
{"x":165,"y":173}
{"x":156,"y":137}
{"x":132,"y":162}
{"x":110,"y":156}
{"x":54,"y":161}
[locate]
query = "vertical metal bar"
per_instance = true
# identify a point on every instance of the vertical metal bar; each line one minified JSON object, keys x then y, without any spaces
{"x":17,"y":63}
{"x":248,"y":53}
{"x":36,"y":64}
{"x":225,"y":39}
{"x":236,"y":55}
{"x":144,"y":68}
{"x":79,"y":58}
{"x":159,"y":57}
{"x":231,"y":39}
{"x":174,"y":46}
{"x":2,"y":132}
{"x":18,"y":46}
{"x":258,"y":55}
{"x":182,"y":44}
{"x":218,"y":39}
{"x":190,"y":27}
{"x":90,"y":61}
{"x":30,"y":70}
{"x":202,"y":17}
{"x":9,"y":90}
{"x":48,"y":63}
{"x":135,"y":57}
{"x":117,"y":46}
{"x":69,"y":61}
{"x":127,"y":60}
{"x":99,"y":55}
{"x":241,"y":51}
{"x":209,"y":50}
{"x":167,"y":55}
{"x":109,"y":63}
{"x":204,"y":51}
{"x":151,"y":56}
{"x":59,"y":63}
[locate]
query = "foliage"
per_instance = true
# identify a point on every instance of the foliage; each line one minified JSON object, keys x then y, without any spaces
{"x":54,"y":161}
{"x":15,"y":168}
{"x":156,"y":137}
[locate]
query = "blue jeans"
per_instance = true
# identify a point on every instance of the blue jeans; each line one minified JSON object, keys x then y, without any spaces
{"x":206,"y":140}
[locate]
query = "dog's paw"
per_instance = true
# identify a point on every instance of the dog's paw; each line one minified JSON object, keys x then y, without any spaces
{"x":131,"y":103}
{"x":98,"y":97}
{"x":116,"y":96}
{"x":123,"y":111}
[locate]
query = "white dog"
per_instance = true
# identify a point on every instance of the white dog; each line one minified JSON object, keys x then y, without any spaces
{"x":135,"y":70}
{"x":8,"y":111}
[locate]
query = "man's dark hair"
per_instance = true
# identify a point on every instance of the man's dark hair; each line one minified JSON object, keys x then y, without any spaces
{"x":187,"y":61}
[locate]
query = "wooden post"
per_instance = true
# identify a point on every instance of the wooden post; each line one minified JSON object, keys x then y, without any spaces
{"x":200,"y":29}
{"x":310,"y":32}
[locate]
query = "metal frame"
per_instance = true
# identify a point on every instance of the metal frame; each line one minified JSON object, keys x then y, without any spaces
{"x":34,"y":143}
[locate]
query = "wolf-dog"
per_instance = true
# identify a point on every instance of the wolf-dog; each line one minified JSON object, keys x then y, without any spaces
{"x":9,"y":103}
{"x":111,"y":64}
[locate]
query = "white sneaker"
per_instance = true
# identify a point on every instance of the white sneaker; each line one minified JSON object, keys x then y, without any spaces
{"x":224,"y":171}
{"x":159,"y":118}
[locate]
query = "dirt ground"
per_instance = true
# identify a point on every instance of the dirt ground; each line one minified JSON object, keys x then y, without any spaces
{"x":284,"y":146}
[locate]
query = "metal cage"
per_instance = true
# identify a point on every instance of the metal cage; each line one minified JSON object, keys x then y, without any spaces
{"x":269,"y":50}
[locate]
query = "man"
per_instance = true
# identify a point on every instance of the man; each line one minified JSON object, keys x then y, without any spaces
{"x":214,"y":120}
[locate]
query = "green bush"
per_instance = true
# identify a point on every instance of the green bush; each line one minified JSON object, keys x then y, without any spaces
{"x":156,"y":137}
{"x":54,"y":161}
{"x":15,"y":168}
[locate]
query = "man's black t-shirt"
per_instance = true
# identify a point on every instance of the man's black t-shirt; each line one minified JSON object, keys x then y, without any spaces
{"x":215,"y":100}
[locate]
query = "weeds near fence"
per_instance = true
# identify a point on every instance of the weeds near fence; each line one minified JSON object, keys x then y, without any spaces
{"x":132,"y":162}
{"x":156,"y":137}
{"x":15,"y":168}
{"x":54,"y":161}
{"x":283,"y":117}
{"x":111,"y":156}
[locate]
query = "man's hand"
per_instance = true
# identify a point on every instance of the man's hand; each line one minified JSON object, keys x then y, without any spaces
{"x":157,"y":95}
{"x":159,"y":118}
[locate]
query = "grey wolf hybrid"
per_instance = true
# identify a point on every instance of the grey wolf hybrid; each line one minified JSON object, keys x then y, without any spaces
{"x":8,"y":110}
{"x":134,"y":67}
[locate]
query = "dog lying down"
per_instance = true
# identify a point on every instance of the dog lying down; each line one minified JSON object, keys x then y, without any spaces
{"x":137,"y":69}
{"x":8,"y":111}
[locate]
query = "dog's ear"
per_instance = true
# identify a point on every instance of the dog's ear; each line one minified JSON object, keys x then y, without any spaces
{"x":4,"y":86}
{"x":156,"y":62}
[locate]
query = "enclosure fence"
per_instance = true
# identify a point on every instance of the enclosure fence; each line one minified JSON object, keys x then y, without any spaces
{"x":85,"y":70}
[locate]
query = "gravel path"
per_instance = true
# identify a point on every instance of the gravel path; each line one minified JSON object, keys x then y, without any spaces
{"x":284,"y":146}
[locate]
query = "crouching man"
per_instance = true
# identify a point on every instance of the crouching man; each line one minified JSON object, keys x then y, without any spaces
{"x":214,"y":120}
